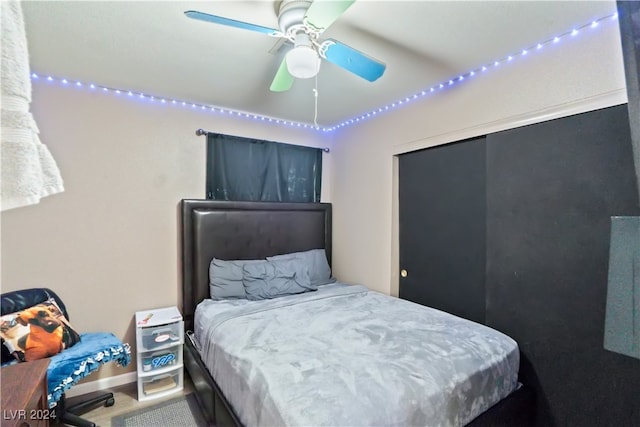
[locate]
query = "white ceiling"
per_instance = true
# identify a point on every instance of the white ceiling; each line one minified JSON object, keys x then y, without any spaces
{"x":151,"y":47}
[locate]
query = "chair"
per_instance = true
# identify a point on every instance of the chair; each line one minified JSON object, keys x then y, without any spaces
{"x":69,"y":366}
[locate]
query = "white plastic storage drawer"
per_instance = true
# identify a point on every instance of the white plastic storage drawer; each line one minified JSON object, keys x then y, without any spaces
{"x":161,"y":336}
{"x":163,"y":383}
{"x":155,"y":360}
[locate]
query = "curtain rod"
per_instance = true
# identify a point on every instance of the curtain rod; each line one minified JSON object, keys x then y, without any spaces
{"x":201,"y":132}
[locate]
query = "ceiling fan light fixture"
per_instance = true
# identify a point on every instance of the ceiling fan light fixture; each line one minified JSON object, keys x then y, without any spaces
{"x":303,"y":61}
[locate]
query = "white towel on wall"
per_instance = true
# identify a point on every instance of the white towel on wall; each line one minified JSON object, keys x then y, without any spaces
{"x":29,"y":172}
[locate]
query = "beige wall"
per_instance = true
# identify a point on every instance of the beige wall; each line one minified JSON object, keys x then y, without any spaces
{"x":576,"y":75}
{"x":108,"y":244}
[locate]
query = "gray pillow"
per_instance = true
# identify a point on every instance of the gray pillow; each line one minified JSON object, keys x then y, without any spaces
{"x":271,"y":279}
{"x":316,"y":262}
{"x":225,"y":278}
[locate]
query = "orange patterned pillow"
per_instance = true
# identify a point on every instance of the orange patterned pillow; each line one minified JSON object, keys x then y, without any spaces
{"x":37,"y":332}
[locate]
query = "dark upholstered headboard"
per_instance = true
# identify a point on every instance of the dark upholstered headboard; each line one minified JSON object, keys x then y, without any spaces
{"x":243,"y":230}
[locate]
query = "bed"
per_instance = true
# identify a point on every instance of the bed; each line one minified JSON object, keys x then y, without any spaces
{"x":329,"y":357}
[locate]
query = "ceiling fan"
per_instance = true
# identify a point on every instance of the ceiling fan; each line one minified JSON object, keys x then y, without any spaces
{"x":302,"y":23}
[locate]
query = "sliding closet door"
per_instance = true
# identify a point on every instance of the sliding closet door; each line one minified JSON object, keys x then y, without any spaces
{"x":513,"y":230}
{"x":552,"y":188}
{"x":442,"y":227}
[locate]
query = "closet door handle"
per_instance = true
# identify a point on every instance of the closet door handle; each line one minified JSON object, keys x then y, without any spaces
{"x":404,"y":273}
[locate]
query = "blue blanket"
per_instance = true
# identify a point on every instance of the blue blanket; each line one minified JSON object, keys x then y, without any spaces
{"x":347,"y":356}
{"x":73,"y":364}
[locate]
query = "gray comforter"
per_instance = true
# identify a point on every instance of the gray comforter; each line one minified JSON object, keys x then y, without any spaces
{"x":346,"y":356}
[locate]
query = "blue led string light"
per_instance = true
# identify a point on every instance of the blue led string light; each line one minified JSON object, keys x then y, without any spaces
{"x":482,"y":69}
{"x":454,"y":81}
{"x":175,"y":102}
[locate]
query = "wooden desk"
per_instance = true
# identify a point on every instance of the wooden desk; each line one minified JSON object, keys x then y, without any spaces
{"x":24,"y":395}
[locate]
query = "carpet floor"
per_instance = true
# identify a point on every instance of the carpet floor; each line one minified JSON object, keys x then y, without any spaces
{"x":181,"y":411}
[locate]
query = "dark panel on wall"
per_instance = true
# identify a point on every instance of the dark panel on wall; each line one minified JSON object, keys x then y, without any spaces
{"x":443,"y":229}
{"x":551,"y":190}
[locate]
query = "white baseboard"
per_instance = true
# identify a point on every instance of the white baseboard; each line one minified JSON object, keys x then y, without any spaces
{"x":102,"y":384}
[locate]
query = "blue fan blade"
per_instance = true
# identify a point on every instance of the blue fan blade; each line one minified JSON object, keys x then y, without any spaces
{"x":231,"y":22}
{"x":352,"y":60}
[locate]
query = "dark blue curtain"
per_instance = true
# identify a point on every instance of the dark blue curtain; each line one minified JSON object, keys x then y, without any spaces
{"x":257,"y":170}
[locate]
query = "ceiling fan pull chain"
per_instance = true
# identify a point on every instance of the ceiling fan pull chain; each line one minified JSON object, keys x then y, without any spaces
{"x":315,"y":95}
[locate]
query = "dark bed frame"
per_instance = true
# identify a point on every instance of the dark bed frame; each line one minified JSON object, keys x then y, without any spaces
{"x":255,"y":230}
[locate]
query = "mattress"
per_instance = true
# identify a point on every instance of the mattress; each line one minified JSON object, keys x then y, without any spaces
{"x":348,"y":356}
